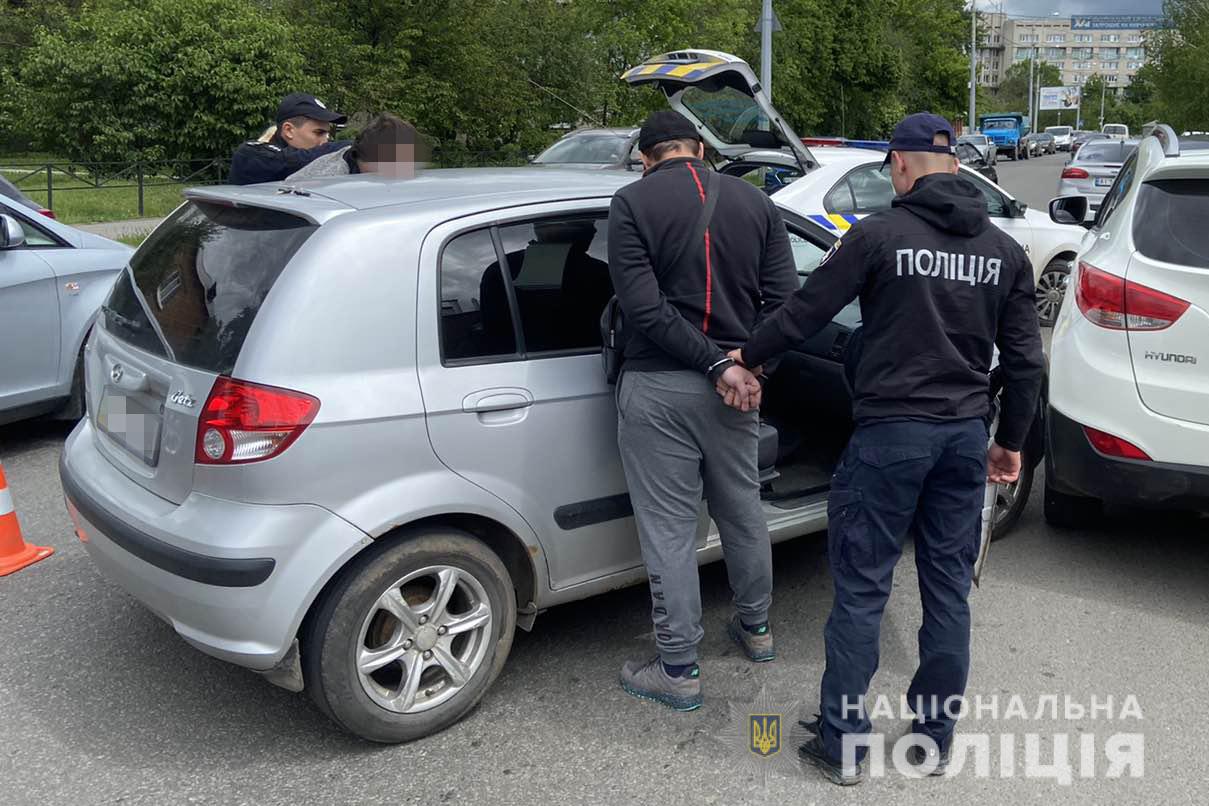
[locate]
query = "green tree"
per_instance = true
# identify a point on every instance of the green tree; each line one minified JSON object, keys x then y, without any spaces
{"x":156,"y":79}
{"x":1180,"y":56}
{"x":1012,"y":94}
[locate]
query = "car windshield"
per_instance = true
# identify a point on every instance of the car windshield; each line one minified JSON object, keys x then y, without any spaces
{"x":600,"y":148}
{"x":999,"y":124}
{"x":1058,"y":131}
{"x":973,"y":139}
{"x":1116,"y":130}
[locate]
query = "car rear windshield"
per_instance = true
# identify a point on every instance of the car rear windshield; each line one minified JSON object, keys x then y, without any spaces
{"x":1058,"y":131}
{"x":1170,"y":221}
{"x":599,"y":149}
{"x":1110,"y":151}
{"x":194,"y":287}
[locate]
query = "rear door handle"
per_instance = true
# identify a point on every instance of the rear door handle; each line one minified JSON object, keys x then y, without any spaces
{"x":504,"y":399}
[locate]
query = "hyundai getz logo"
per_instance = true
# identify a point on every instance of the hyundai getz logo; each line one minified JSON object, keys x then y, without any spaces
{"x":182,"y":399}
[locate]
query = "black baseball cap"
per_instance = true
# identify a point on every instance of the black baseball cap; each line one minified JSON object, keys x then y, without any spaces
{"x":918,"y":132}
{"x":302,"y":104}
{"x":666,"y":124}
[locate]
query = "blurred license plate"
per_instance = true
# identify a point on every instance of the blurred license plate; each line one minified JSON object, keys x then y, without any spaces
{"x":133,"y":422}
{"x":1104,"y":181}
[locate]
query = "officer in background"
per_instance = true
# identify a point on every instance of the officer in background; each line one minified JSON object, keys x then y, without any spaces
{"x":939,"y":288}
{"x":304,"y":129}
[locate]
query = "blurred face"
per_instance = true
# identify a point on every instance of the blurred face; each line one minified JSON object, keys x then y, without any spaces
{"x":397,"y":161}
{"x":308,"y":134}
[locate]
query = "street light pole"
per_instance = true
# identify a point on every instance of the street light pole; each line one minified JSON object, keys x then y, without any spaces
{"x":973,"y":62}
{"x":766,"y":48}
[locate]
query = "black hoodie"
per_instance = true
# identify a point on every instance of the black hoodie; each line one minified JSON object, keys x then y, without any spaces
{"x":939,"y":288}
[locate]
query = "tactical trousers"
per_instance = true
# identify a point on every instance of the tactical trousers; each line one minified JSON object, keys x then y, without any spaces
{"x":678,"y":441}
{"x":895,"y":479}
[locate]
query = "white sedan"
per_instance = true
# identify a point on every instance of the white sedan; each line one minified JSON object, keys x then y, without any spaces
{"x":850,"y":184}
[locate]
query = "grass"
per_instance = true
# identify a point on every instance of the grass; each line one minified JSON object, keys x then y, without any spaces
{"x":78,"y":202}
{"x":133,"y":238}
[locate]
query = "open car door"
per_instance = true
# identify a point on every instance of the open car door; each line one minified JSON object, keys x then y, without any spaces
{"x":720,"y":94}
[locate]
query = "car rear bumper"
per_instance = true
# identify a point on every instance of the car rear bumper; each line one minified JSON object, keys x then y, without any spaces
{"x":1074,"y":467}
{"x":233,"y":579}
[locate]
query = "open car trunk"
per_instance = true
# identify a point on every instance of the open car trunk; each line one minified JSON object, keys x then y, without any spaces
{"x":720,"y":94}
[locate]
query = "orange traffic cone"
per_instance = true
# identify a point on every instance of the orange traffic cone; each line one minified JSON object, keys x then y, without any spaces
{"x":15,"y":553}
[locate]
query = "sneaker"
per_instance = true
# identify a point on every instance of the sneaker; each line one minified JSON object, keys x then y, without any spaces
{"x":650,"y":681}
{"x":918,"y":756}
{"x":833,"y":771}
{"x":757,"y":646}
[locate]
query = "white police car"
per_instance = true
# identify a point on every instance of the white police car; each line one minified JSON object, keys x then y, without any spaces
{"x":833,"y":186}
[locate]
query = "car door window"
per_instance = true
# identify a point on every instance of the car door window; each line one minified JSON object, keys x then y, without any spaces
{"x":1118,"y":191}
{"x":997,"y":204}
{"x":560,"y":277}
{"x":806,"y":254}
{"x":839,"y":199}
{"x":872,"y":189}
{"x":476,"y":315}
{"x":34,"y":236}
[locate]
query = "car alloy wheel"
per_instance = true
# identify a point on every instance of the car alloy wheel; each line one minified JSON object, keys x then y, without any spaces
{"x":1051,"y":288}
{"x":424,"y":638}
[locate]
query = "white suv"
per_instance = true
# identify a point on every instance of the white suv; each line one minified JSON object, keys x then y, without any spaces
{"x":1129,"y":387}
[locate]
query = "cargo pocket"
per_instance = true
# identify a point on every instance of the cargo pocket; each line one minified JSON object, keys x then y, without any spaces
{"x":882,"y":456}
{"x":847,"y":529}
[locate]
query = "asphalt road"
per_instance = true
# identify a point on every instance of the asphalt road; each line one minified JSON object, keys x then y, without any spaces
{"x":1033,"y":181}
{"x":100,"y":702}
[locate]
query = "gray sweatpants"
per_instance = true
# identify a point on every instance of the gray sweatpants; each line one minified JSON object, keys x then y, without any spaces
{"x":678,"y":439}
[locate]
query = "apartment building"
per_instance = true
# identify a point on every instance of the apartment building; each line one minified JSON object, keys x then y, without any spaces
{"x":1080,"y":46}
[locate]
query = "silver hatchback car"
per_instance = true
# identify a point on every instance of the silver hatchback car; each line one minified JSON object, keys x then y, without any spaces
{"x":351,"y":434}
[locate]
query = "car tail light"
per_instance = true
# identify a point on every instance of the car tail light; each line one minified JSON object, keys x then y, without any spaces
{"x":1075,"y":173}
{"x":1109,"y":445}
{"x":48,"y":213}
{"x":247,"y":422}
{"x":1118,"y":304}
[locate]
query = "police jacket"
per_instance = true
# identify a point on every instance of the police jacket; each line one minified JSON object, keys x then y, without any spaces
{"x":273,"y":161}
{"x":939,"y":288}
{"x":689,"y":315}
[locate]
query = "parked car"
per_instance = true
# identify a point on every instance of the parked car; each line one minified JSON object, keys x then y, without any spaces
{"x":1128,"y":420}
{"x":986,"y":147}
{"x":52,"y":280}
{"x":594,"y":148}
{"x":1093,"y":169}
{"x":1117,"y":131}
{"x":1084,"y":137}
{"x":1063,"y":135}
{"x":11,"y":191}
{"x":342,"y":476}
{"x":1040,"y":144}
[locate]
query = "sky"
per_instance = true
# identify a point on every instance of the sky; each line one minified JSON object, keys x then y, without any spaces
{"x":1043,"y":8}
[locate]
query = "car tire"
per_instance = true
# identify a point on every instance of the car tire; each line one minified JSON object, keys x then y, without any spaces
{"x":358,"y":616}
{"x":1070,"y":511}
{"x":73,"y":409}
{"x":1051,"y":290}
{"x":1013,"y":498}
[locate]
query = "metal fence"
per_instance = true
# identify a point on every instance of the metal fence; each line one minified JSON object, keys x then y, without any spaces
{"x":71,"y":177}
{"x":59,"y":177}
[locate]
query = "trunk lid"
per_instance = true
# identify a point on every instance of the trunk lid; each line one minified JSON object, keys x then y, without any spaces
{"x":174,"y":322}
{"x":721,"y":95}
{"x":1171,"y":364}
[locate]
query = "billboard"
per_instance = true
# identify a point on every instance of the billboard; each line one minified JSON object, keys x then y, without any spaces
{"x":1059,"y":98}
{"x":1116,"y":22}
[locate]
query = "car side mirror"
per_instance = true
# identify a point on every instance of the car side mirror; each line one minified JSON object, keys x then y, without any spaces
{"x":12,"y":234}
{"x":1068,"y":209}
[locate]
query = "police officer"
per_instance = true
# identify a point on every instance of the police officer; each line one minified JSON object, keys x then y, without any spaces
{"x":304,"y":128}
{"x":939,"y":288}
{"x":692,"y":286}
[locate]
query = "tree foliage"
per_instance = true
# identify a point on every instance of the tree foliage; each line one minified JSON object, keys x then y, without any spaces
{"x":155,"y":79}
{"x":1180,"y":59}
{"x":114,"y":79}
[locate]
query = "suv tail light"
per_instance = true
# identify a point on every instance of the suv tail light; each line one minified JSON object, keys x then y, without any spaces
{"x":1075,"y":173}
{"x":48,"y":213}
{"x":1109,"y":445}
{"x":246,"y":422}
{"x":1117,"y":304}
